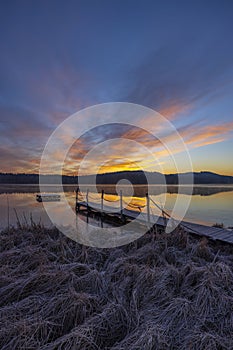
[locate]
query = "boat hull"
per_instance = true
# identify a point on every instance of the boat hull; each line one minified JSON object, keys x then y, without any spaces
{"x":48,"y":198}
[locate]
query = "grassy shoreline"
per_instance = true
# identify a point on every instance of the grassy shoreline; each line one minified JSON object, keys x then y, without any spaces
{"x":168,"y":292}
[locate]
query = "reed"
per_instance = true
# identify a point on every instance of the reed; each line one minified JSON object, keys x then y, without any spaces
{"x":168,"y":292}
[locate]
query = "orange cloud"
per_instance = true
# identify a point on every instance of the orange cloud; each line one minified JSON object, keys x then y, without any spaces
{"x":174,"y":110}
{"x":117,"y":152}
{"x":208,"y":135}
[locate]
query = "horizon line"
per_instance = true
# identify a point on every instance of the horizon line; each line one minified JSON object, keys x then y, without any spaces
{"x":116,"y":172}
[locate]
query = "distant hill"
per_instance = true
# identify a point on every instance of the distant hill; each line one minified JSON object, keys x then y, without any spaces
{"x":135,"y":177}
{"x":203,"y":177}
{"x":33,"y":179}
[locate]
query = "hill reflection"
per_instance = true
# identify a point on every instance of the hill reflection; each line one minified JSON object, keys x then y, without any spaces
{"x":139,"y":190}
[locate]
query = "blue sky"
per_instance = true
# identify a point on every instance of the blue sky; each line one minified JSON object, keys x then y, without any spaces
{"x":173,"y":56}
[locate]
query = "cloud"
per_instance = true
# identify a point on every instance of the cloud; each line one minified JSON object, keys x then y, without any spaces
{"x":208,"y":135}
{"x":26,"y":132}
{"x":14,"y":160}
{"x":176,"y":77}
{"x":175,"y":80}
{"x":147,"y":152}
{"x":22,"y":137}
{"x":22,"y":123}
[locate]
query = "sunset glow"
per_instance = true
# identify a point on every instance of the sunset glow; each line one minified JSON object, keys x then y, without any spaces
{"x":187,"y":76}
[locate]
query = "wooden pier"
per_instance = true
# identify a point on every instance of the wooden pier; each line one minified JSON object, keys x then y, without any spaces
{"x":122,"y":215}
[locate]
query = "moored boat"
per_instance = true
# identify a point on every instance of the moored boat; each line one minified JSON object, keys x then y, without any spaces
{"x":48,"y":197}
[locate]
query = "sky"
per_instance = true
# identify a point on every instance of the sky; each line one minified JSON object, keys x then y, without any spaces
{"x":58,"y":57}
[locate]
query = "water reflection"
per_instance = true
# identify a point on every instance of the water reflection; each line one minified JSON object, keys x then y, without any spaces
{"x":139,"y":190}
{"x":209,"y":204}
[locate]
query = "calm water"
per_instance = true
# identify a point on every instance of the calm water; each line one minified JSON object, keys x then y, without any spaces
{"x":209,"y":204}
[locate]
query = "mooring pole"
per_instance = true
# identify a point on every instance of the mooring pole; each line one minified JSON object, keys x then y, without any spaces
{"x":148,"y":207}
{"x":77,"y":200}
{"x":87,"y":199}
{"x":102,"y":204}
{"x":121,"y":205}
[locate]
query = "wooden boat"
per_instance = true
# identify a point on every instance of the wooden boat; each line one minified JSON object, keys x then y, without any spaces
{"x":48,"y":197}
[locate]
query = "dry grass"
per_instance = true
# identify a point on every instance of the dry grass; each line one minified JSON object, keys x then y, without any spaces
{"x":170,"y":293}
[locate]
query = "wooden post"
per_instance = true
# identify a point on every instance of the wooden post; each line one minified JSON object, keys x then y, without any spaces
{"x":102,"y":204}
{"x":87,"y":199}
{"x":77,"y":207}
{"x":77,"y":200}
{"x":148,"y":207}
{"x":121,"y":205}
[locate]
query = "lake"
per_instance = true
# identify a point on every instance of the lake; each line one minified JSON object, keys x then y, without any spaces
{"x":208,"y":205}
